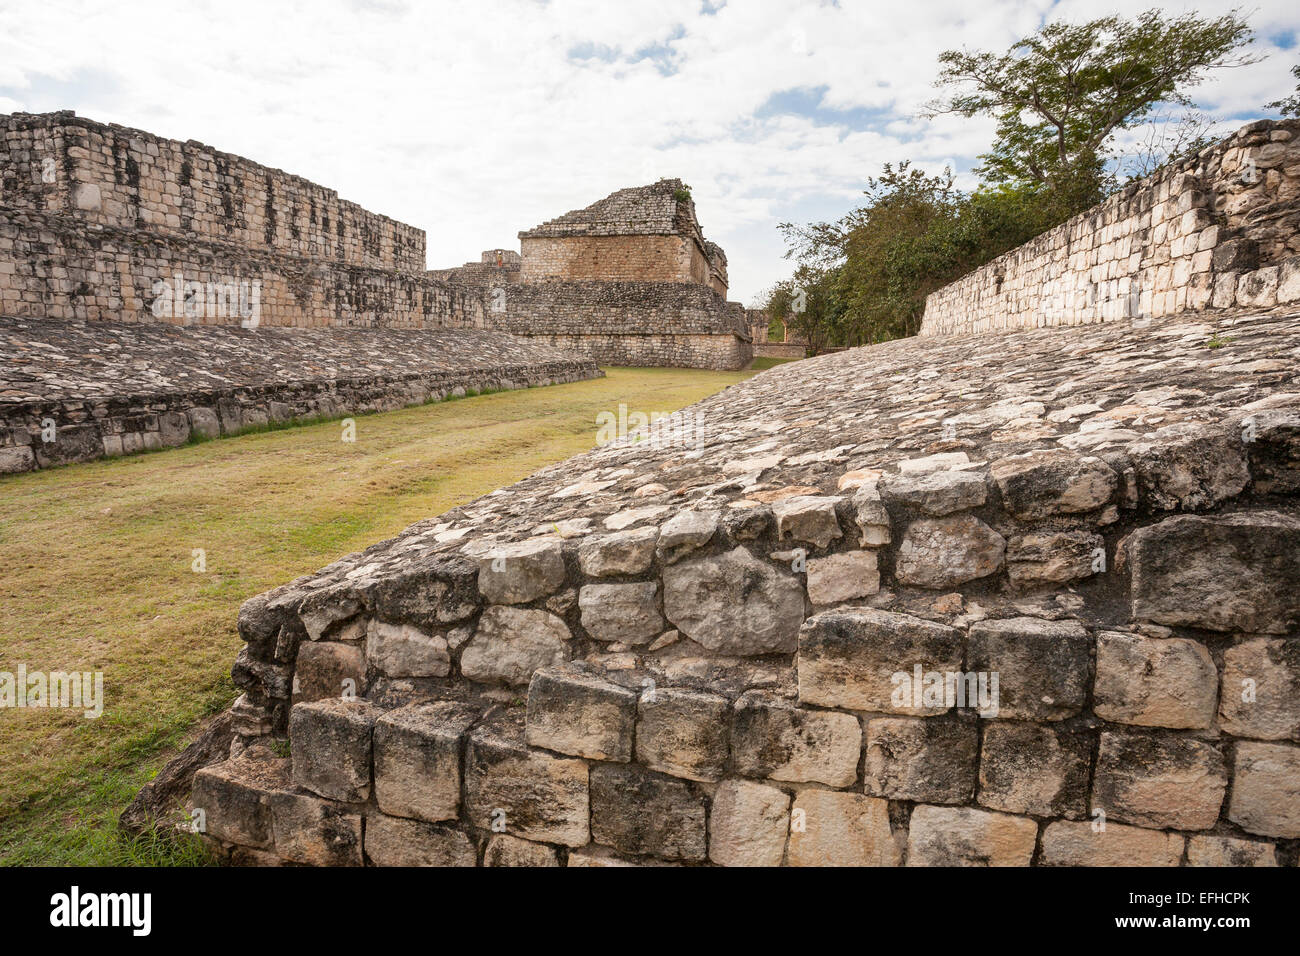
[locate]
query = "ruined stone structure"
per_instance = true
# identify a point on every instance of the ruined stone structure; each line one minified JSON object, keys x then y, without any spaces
{"x":100,"y":222}
{"x":76,"y":391}
{"x":152,"y":289}
{"x":789,"y":345}
{"x":1219,"y":230}
{"x":628,"y":280}
{"x":103,"y":223}
{"x":642,"y":234}
{"x":991,"y":600}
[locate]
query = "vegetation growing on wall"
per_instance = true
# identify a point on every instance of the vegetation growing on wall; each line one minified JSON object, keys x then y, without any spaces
{"x":1059,"y":97}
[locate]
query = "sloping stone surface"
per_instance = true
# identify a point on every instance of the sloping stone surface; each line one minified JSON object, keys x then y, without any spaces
{"x":782,"y":627}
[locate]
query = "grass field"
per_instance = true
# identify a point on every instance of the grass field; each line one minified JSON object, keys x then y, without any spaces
{"x":96,"y":574}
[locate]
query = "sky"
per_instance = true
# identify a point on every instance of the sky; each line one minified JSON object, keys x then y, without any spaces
{"x":474,"y":121}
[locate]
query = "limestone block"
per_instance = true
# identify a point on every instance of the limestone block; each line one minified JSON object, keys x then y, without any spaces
{"x":773,"y":738}
{"x":573,"y":710}
{"x":1060,"y":557}
{"x":174,"y":428}
{"x":1161,"y":781}
{"x":401,"y":650}
{"x":943,"y":553}
{"x":1043,"y":666}
{"x":924,"y":760}
{"x":637,"y":811}
{"x":809,"y":519}
{"x":1275,"y":452}
{"x":315,"y":832}
{"x":510,"y":643}
{"x":391,"y":841}
{"x":732,"y":603}
{"x":1261,"y":690}
{"x":685,"y":532}
{"x":683,"y":732}
{"x":505,"y":850}
{"x":1154,"y":682}
{"x":521,"y":572}
{"x":936,"y":493}
{"x":1190,"y":466}
{"x":1235,"y":572}
{"x":1040,"y":484}
{"x":16,"y":458}
{"x":748,"y":824}
{"x":1258,"y":289}
{"x":1079,"y":844}
{"x":835,"y":828}
{"x":842,"y":577}
{"x":235,"y":796}
{"x":1288,"y":287}
{"x":1204,"y":850}
{"x":626,"y":613}
{"x":525,"y":793}
{"x":849,"y":658}
{"x":331,"y":745}
{"x":623,"y":552}
{"x":871,"y":517}
{"x":1036,"y":769}
{"x":1266,"y":789}
{"x":417,"y":759}
{"x":327,"y":669}
{"x":962,"y":836}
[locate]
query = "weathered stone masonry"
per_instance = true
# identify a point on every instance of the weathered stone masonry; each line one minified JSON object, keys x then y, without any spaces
{"x":152,"y":289}
{"x":100,"y":222}
{"x":628,"y":280}
{"x":76,"y":391}
{"x":671,"y":651}
{"x":1219,"y":230}
{"x":104,"y":223}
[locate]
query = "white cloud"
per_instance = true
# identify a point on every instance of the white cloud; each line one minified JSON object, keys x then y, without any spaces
{"x":476,"y":121}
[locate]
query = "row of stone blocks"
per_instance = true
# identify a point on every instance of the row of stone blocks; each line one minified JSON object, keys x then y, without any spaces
{"x":1203,"y":238}
{"x":1096,"y":712}
{"x":109,"y":428}
{"x":684,"y":774}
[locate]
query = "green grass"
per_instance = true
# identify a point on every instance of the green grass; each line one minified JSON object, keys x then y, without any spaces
{"x":97,"y":576}
{"x":763,"y":362}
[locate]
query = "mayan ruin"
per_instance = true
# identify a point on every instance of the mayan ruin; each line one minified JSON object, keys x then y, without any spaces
{"x":654,"y":650}
{"x":746,"y":438}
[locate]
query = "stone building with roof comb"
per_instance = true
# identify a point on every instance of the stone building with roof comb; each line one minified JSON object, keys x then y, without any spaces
{"x":641,"y":234}
{"x":628,"y":280}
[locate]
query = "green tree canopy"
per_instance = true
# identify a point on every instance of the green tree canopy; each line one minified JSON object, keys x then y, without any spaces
{"x":1060,"y":94}
{"x":1291,"y":105}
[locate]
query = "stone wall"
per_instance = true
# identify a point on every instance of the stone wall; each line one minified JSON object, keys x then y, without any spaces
{"x":1219,"y":230}
{"x":105,"y":223}
{"x":77,"y":391}
{"x":626,"y":323}
{"x":640,"y":234}
{"x":618,"y":258}
{"x":109,"y":175}
{"x":779,"y":350}
{"x":54,"y":267}
{"x":739,"y":636}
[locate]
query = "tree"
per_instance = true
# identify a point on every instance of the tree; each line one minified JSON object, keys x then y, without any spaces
{"x":1291,"y":105}
{"x":808,"y":303}
{"x":914,"y":234}
{"x":1059,"y":95}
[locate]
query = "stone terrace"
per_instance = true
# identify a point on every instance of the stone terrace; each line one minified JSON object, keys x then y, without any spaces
{"x":111,"y":388}
{"x":707,"y":621}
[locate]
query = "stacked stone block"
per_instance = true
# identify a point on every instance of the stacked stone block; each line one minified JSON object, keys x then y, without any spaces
{"x":72,"y":392}
{"x":1216,"y":231}
{"x":615,"y":322}
{"x":746,"y":676}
